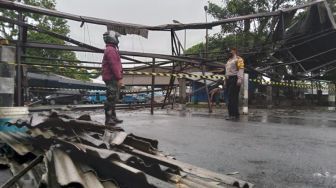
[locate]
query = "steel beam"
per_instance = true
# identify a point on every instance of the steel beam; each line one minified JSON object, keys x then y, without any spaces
{"x":123,"y":53}
{"x":89,"y":48}
{"x":16,"y":177}
{"x":27,"y":8}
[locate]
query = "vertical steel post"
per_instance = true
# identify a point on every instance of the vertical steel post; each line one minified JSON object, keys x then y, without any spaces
{"x":331,"y":96}
{"x":312,"y":92}
{"x":318,"y":92}
{"x":24,"y":86}
{"x":269,"y":96}
{"x":18,"y":61}
{"x":206,"y":32}
{"x":172,"y":78}
{"x":182,"y":92}
{"x":153,"y":84}
{"x":245,"y":95}
{"x":206,"y":89}
{"x":185,"y":40}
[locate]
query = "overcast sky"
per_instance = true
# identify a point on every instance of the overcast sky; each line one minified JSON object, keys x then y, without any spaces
{"x":147,"y":12}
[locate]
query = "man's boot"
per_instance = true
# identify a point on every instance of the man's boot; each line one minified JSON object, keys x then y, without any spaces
{"x":108,"y":118}
{"x":114,"y":117}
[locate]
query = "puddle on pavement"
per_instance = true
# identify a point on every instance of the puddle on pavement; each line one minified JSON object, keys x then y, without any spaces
{"x":264,"y":118}
{"x":275,"y":117}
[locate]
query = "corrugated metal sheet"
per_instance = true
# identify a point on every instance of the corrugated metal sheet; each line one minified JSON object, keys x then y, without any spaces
{"x":80,"y":153}
{"x":70,"y":172}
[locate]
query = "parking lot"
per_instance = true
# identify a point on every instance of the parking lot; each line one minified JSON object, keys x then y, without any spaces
{"x":277,"y":148}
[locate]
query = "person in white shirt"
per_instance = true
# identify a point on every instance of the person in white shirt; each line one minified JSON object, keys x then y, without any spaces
{"x":234,"y":77}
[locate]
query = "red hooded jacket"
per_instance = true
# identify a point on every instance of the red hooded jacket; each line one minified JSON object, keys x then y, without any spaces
{"x":111,"y":65}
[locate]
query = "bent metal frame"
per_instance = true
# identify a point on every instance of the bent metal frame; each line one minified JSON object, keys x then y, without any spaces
{"x":179,"y":62}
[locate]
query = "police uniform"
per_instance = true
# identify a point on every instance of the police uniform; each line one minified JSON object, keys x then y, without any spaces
{"x":234,"y":71}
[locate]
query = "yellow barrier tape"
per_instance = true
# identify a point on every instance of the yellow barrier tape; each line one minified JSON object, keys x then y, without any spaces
{"x":285,"y":84}
{"x":69,"y":89}
{"x":179,"y":75}
{"x":214,"y":77}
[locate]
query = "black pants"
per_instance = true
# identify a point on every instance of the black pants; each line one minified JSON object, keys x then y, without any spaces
{"x":233,"y":95}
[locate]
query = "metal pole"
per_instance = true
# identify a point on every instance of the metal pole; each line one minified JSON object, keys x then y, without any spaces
{"x":182,"y":92}
{"x":331,"y":96}
{"x":206,"y":89}
{"x":185,"y":39}
{"x":15,"y":178}
{"x":153,"y":83}
{"x":206,"y":32}
{"x":245,"y":96}
{"x":18,"y":61}
{"x":172,"y":78}
{"x":312,"y":92}
{"x":269,"y":96}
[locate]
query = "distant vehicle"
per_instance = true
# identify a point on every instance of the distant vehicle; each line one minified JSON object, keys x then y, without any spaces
{"x":146,"y":98}
{"x":95,"y":97}
{"x":158,"y":97}
{"x":129,"y":99}
{"x":142,"y":98}
{"x":63,"y":99}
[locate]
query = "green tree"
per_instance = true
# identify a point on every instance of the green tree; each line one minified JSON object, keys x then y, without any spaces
{"x":247,"y":35}
{"x":54,"y":24}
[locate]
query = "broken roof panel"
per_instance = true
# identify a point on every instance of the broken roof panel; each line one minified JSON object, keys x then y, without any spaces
{"x":142,"y":30}
{"x":308,"y":41}
{"x":80,"y":152}
{"x":123,"y":28}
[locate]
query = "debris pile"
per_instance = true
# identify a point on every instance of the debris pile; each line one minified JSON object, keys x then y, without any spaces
{"x":62,"y":151}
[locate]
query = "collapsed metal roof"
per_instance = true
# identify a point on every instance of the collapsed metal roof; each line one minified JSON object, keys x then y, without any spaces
{"x":123,"y":28}
{"x":142,"y":30}
{"x":304,"y":56}
{"x":83,"y":153}
{"x":308,"y":42}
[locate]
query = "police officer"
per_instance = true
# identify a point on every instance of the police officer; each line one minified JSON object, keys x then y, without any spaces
{"x":234,"y":77}
{"x":112,"y":74}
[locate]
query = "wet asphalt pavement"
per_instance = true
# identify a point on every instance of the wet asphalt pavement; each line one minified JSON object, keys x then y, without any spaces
{"x":278,"y":148}
{"x":270,"y":148}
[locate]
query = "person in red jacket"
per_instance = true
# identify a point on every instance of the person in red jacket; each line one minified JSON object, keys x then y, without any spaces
{"x":112,"y":74}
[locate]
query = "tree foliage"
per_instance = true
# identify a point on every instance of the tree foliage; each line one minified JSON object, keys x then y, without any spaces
{"x":246,"y":35}
{"x":54,"y":24}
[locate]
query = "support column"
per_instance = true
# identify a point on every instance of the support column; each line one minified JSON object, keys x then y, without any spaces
{"x":19,"y":94}
{"x":206,"y":89}
{"x":182,"y":92}
{"x":319,"y":93}
{"x":153,"y":84}
{"x":269,"y":96}
{"x":245,"y":94}
{"x":312,"y":93}
{"x":172,"y":78}
{"x":7,"y":74}
{"x":331,"y":96}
